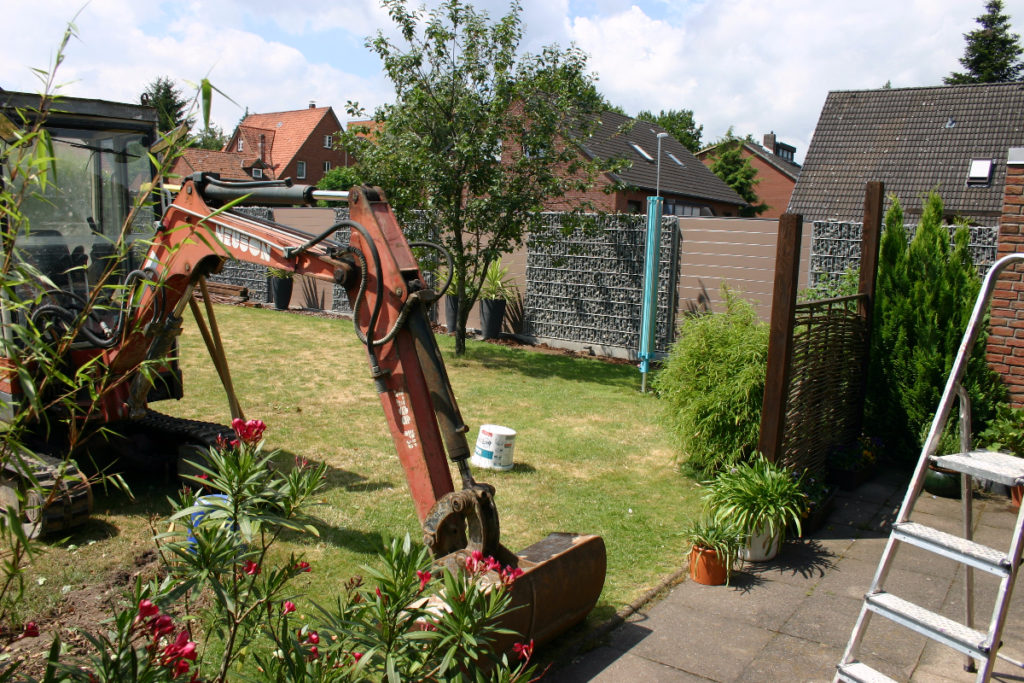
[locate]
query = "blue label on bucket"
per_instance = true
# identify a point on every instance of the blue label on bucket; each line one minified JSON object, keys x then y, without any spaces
{"x":481,"y":453}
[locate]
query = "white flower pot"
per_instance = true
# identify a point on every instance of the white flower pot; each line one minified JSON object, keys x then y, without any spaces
{"x":761,"y":547}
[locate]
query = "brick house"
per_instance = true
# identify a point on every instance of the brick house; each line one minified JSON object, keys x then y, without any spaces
{"x":952,"y":139}
{"x":776,"y":171}
{"x":688,"y":187}
{"x":296,"y":144}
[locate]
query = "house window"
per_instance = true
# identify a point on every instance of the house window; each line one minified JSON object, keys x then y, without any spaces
{"x":300,"y":170}
{"x":641,"y":151}
{"x":327,"y":166}
{"x":674,"y":158}
{"x":241,"y":144}
{"x":980,"y":172}
{"x":257,"y":173}
{"x":328,"y":141}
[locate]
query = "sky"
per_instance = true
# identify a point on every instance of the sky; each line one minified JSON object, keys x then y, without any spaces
{"x":757,"y":66}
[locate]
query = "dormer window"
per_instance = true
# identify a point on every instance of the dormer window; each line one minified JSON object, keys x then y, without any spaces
{"x":257,"y":173}
{"x":641,"y":151}
{"x":980,"y":172}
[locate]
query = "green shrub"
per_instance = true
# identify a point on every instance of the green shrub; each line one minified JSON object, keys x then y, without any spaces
{"x":925,"y":294}
{"x":712,"y":385}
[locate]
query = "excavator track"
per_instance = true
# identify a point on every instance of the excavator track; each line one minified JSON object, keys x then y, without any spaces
{"x":189,"y":438}
{"x":54,"y":495}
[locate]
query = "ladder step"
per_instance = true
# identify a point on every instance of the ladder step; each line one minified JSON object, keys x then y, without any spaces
{"x":1001,"y":468}
{"x":937,"y":627}
{"x":859,"y":672}
{"x":954,"y":547}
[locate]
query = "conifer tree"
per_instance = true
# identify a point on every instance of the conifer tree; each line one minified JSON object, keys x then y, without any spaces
{"x":993,"y":53}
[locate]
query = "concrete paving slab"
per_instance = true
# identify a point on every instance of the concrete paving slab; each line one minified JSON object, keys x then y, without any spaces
{"x":608,"y":665}
{"x":786,"y":658}
{"x":719,"y":648}
{"x":763,"y":603}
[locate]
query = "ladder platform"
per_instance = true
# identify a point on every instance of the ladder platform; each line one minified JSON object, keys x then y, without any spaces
{"x":937,"y":627}
{"x":1001,"y":468}
{"x":859,"y":672}
{"x":954,"y":547}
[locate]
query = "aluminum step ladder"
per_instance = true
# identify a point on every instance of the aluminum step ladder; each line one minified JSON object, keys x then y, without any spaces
{"x":980,"y":647}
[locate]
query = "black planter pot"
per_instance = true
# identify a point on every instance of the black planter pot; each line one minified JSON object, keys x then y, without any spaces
{"x":282,"y":288}
{"x":450,"y":313}
{"x":492,"y":313}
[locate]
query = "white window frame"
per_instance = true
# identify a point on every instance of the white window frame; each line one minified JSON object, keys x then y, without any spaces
{"x":241,"y":144}
{"x":979,"y":172}
{"x":257,"y":172}
{"x":327,"y":166}
{"x":300,"y":170}
{"x":328,"y":141}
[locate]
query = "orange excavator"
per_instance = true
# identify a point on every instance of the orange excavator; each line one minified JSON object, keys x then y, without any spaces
{"x":105,"y":146}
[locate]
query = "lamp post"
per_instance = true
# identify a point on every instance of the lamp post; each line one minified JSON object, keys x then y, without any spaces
{"x":649,"y":312}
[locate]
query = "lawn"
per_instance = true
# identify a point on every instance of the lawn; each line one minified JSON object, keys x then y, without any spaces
{"x":590,"y":454}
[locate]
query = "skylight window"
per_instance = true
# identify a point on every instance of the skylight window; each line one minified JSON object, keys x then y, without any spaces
{"x":674,"y":158}
{"x":980,"y":172}
{"x":641,"y":151}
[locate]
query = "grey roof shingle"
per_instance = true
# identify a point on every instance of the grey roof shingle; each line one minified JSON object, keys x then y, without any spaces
{"x":903,"y":138}
{"x":691,"y":179}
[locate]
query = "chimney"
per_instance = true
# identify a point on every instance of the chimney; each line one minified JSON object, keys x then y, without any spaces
{"x":769,"y":142}
{"x":312,"y":104}
{"x":263,"y":142}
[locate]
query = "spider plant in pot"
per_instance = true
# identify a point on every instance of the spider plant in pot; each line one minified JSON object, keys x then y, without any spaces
{"x":281,"y":284}
{"x":497,"y":290}
{"x":761,"y":499}
{"x":714,"y":550}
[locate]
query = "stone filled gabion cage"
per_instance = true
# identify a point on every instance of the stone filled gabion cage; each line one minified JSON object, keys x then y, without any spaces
{"x":586,"y":287}
{"x":835,"y":247}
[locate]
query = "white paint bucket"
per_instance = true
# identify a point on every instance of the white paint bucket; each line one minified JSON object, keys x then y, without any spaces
{"x":494,"y":446}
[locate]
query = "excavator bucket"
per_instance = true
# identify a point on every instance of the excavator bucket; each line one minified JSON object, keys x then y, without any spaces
{"x":563,"y":575}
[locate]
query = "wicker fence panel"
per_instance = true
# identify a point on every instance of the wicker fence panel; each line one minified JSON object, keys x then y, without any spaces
{"x":829,"y":348}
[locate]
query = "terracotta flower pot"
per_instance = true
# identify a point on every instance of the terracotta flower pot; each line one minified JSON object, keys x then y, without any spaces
{"x":1016,"y":495}
{"x":706,"y":568}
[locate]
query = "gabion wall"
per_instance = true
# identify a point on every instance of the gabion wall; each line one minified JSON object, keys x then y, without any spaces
{"x":588,"y":289}
{"x":835,"y":247}
{"x":248,"y":275}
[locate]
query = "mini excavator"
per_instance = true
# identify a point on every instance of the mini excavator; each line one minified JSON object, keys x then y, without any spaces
{"x":102,"y":148}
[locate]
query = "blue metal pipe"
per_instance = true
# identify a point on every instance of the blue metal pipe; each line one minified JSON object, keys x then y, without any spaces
{"x":648,"y":315}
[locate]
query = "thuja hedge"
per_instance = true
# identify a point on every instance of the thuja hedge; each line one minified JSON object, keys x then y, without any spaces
{"x":925,"y":293}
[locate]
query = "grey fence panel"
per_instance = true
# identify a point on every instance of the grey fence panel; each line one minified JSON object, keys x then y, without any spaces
{"x":835,"y":247}
{"x":588,"y":288}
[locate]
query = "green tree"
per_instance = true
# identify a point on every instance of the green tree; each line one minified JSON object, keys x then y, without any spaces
{"x":170,"y":104}
{"x":340,"y":178}
{"x":729,"y":164}
{"x":478,"y":135}
{"x":924,"y":297}
{"x":679,"y":123}
{"x":211,"y":137}
{"x":993,"y":53}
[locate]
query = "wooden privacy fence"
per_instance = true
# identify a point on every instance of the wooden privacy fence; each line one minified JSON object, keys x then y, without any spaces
{"x":817,"y":353}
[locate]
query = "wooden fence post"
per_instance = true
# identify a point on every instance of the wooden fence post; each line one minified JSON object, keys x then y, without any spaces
{"x":780,"y":340}
{"x":871,"y":239}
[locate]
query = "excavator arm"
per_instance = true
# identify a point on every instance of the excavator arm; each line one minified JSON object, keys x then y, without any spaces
{"x":564,"y":573}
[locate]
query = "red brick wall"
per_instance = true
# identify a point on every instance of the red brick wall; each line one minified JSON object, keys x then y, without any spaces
{"x":1006,"y":332}
{"x":773,"y":188}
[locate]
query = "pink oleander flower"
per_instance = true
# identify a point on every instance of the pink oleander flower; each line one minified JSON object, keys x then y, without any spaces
{"x":313,"y":638}
{"x":181,"y":667}
{"x":357,"y":656}
{"x":491,"y":564}
{"x":303,"y":566}
{"x":147,"y":609}
{"x":251,"y":568}
{"x":31,"y":630}
{"x":288,"y":607}
{"x":509,"y":575}
{"x":161,"y":625}
{"x":314,"y":653}
{"x":181,"y":648}
{"x":250,"y":431}
{"x":524,"y":650}
{"x":424,"y":578}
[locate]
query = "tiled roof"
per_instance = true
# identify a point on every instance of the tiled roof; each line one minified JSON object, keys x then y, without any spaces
{"x":251,"y":146}
{"x":914,"y":140}
{"x":788,"y":168}
{"x":689,"y":177}
{"x":230,"y":165}
{"x":290,"y":130}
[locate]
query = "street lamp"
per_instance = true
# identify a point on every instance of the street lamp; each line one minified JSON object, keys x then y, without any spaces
{"x":657,"y":184}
